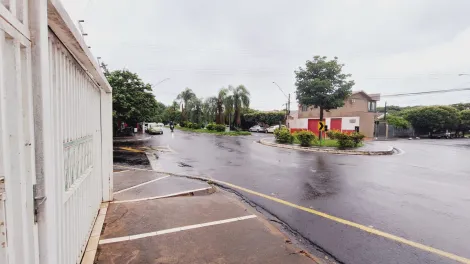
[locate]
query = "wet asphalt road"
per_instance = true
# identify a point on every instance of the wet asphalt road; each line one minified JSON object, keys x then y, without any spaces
{"x":422,"y":195}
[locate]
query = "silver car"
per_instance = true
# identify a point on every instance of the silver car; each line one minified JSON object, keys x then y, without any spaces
{"x":272,"y":128}
{"x":257,"y":128}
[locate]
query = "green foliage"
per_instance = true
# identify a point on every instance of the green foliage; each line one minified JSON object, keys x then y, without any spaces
{"x":323,"y":84}
{"x":219,"y":128}
{"x":186,"y":96}
{"x":305,"y":137}
{"x":283,"y":135}
{"x":465,"y":117}
{"x":172,"y":113}
{"x":210,"y":126}
{"x":432,"y":119}
{"x":461,"y":106}
{"x":133,"y":100}
{"x":241,"y":100}
{"x":217,"y":132}
{"x":333,"y":134}
{"x":186,"y":124}
{"x":398,"y":121}
{"x":196,"y":126}
{"x":345,"y":140}
{"x":357,"y":138}
{"x":345,"y":143}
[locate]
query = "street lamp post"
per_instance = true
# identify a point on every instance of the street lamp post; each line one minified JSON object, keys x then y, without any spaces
{"x":166,"y":79}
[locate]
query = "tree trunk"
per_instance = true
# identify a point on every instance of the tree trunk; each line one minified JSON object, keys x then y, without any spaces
{"x":237,"y":118}
{"x":321,"y":119}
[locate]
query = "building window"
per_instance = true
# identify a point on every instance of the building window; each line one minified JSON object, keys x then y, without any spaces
{"x":304,"y":108}
{"x":372,"y":106}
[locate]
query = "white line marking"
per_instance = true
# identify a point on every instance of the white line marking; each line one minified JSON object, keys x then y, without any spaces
{"x":138,"y":185}
{"x":163,"y":196}
{"x":174,"y":230}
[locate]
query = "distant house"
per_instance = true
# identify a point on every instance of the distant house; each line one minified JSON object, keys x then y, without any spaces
{"x":359,"y":110}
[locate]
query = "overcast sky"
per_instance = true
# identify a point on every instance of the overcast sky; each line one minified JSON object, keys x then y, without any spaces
{"x":388,"y":46}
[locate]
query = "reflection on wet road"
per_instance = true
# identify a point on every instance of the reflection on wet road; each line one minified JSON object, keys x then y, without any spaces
{"x":422,"y":195}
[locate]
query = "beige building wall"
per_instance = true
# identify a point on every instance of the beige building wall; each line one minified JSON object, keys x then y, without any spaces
{"x":354,"y":106}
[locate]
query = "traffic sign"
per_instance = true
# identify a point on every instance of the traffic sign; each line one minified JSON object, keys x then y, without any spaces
{"x":321,"y":126}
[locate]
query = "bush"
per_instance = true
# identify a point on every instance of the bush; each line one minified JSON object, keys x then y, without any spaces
{"x":219,"y":128}
{"x":349,"y":141}
{"x":345,"y":143}
{"x":333,"y":134}
{"x":211,"y":126}
{"x":283,"y":135}
{"x":186,"y":124}
{"x":196,"y":126}
{"x":357,"y":138}
{"x":305,"y":137}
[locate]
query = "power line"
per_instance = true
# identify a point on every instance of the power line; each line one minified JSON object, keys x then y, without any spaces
{"x":427,"y":92}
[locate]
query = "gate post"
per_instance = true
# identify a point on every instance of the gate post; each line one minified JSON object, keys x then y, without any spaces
{"x":107,"y":145}
{"x":43,"y":129}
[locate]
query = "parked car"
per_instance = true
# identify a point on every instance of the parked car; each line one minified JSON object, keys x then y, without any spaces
{"x":271,"y":128}
{"x":154,"y":128}
{"x":257,"y":128}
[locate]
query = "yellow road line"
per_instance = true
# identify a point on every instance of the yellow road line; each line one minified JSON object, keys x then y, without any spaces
{"x":337,"y":219}
{"x":349,"y":223}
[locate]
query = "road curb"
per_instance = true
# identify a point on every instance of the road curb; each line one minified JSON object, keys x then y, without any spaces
{"x":389,"y":151}
{"x":131,"y":140}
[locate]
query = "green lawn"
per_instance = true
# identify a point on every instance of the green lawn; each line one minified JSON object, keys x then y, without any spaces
{"x":231,"y":133}
{"x":323,"y":143}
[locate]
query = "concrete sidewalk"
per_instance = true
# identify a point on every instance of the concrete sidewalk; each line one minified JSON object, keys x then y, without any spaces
{"x":157,"y":218}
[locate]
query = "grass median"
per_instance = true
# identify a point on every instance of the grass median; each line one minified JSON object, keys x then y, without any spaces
{"x":213,"y":132}
{"x":323,"y":143}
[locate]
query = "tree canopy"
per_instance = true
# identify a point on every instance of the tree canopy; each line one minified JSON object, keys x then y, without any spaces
{"x":432,"y":119}
{"x":323,"y":84}
{"x":133,"y":100}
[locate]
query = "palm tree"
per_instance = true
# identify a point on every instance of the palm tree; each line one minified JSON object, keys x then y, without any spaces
{"x":223,"y":93}
{"x":185,"y":96}
{"x":241,"y":99}
{"x":209,"y":108}
{"x":228,"y":106}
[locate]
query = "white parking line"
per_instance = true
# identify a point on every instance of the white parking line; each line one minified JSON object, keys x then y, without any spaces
{"x":173,"y":230}
{"x":142,"y":184}
{"x":162,"y":196}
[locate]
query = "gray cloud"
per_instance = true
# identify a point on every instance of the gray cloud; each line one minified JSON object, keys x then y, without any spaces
{"x":388,"y":46}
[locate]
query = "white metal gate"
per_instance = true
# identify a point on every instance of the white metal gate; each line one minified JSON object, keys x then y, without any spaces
{"x":55,"y":132}
{"x":77,"y":149}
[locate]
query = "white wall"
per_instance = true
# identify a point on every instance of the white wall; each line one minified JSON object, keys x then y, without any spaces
{"x":349,"y":123}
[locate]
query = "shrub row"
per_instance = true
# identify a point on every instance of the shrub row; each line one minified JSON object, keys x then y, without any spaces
{"x":188,"y":124}
{"x":306,"y":138}
{"x":216,"y":127}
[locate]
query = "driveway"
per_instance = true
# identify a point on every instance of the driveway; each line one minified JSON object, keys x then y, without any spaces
{"x":421,"y":195}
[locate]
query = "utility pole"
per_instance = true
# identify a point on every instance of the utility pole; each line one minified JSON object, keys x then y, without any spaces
{"x":385,"y":111}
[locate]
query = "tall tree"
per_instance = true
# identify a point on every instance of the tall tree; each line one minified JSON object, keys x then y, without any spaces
{"x":209,"y":109}
{"x":322,"y":84}
{"x":133,"y":100}
{"x":464,"y":117}
{"x":241,"y":100}
{"x":223,"y":93}
{"x":172,"y":113}
{"x":186,"y":96}
{"x":228,"y":109}
{"x":195,"y":110}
